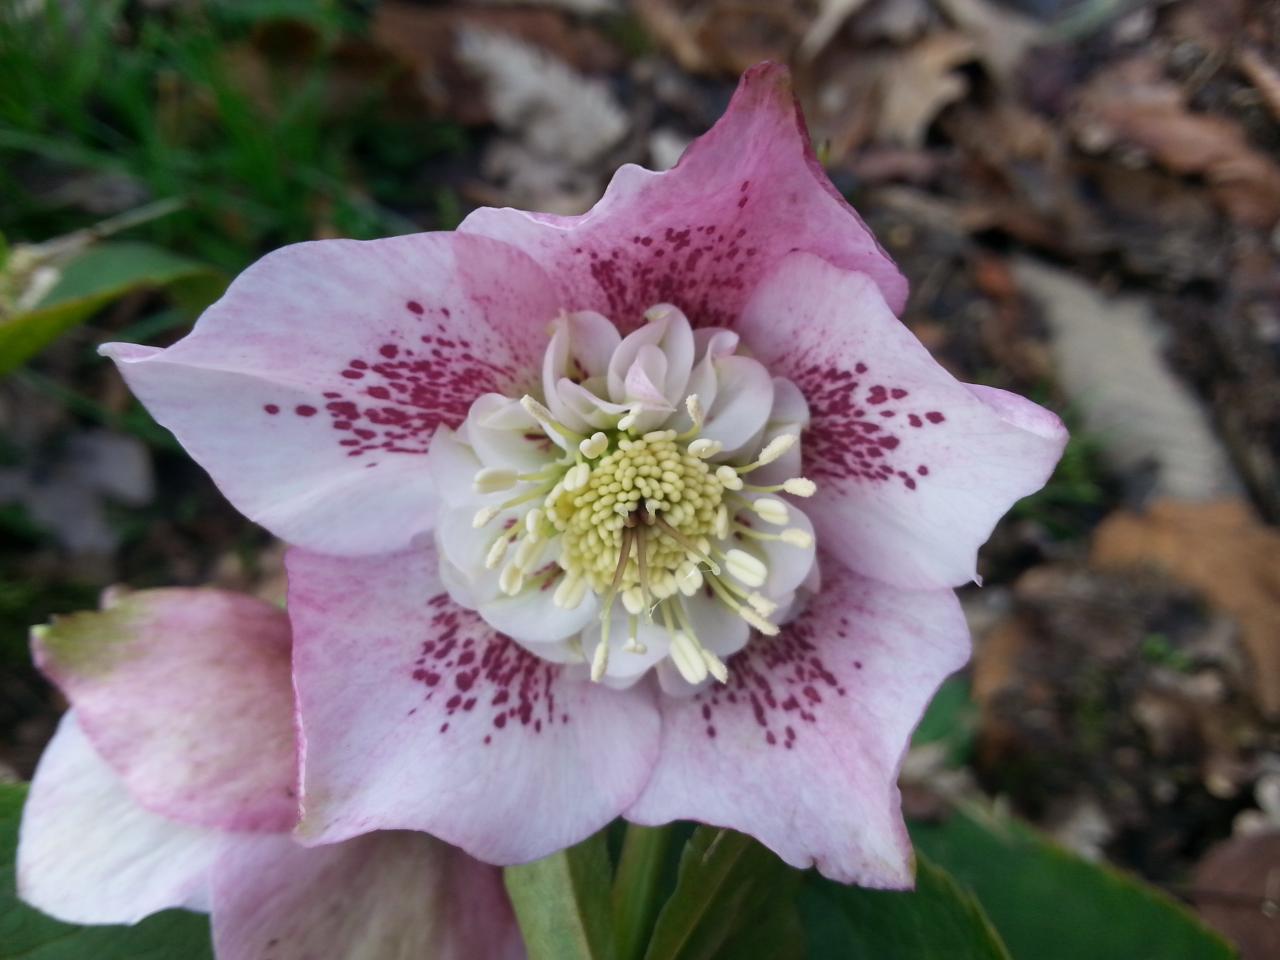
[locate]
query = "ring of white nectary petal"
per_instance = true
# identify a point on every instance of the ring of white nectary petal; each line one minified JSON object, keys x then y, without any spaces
{"x":640,"y":519}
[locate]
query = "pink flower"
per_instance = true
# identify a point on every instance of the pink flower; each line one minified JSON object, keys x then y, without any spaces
{"x":680,"y":446}
{"x":171,"y":783}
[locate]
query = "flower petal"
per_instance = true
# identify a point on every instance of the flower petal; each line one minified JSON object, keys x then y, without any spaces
{"x":311,"y":390}
{"x":386,"y":896}
{"x":913,"y":467}
{"x":417,"y":715}
{"x":87,"y":853}
{"x":186,"y":695}
{"x":801,"y":748}
{"x":699,"y":235}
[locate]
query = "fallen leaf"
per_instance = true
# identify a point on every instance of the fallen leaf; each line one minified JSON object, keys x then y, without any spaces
{"x":917,"y":83}
{"x":832,"y":15}
{"x":1237,"y":891}
{"x":1001,"y":36}
{"x":1262,"y":75}
{"x":1132,"y":103}
{"x":1220,"y":549}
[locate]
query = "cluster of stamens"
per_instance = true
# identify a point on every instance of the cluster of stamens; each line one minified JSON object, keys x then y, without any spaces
{"x":643,"y":520}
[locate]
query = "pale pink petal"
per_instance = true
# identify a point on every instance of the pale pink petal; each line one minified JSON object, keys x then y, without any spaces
{"x":310,"y":391}
{"x":913,"y":467}
{"x":417,"y":715}
{"x":186,"y":695}
{"x":699,"y":235}
{"x":87,"y":853}
{"x":386,"y":896}
{"x":801,"y":748}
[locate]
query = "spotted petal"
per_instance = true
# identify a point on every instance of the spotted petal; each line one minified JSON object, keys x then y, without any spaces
{"x":417,"y":715}
{"x":387,"y":896}
{"x":802,"y":748}
{"x":700,"y":235}
{"x":186,"y":696}
{"x":311,"y":390}
{"x":913,"y":467}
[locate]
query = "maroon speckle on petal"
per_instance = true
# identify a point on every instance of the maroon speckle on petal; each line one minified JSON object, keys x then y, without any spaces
{"x":489,"y":673}
{"x":780,"y":681}
{"x":271,"y":408}
{"x":305,"y":410}
{"x":850,"y":437}
{"x":414,"y":307}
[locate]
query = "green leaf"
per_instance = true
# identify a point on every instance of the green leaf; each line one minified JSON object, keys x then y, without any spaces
{"x":30,"y":935}
{"x":727,"y":883}
{"x":562,"y":903}
{"x":637,"y":887}
{"x":1049,"y":904}
{"x":93,"y":279}
{"x":949,"y":721}
{"x":936,"y":921}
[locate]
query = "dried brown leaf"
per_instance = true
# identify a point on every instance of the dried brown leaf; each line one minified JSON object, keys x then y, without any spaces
{"x":1132,"y":103}
{"x":1223,"y":551}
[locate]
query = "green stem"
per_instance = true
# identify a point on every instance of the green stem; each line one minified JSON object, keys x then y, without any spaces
{"x":562,"y":903}
{"x":636,"y":888}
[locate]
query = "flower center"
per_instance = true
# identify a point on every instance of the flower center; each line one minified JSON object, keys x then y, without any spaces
{"x":648,"y":520}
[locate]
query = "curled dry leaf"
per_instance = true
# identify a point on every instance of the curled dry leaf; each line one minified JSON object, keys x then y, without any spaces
{"x":1133,"y":103}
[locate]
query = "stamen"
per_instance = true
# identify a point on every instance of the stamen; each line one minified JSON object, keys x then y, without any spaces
{"x":577,"y":477}
{"x":533,"y":521}
{"x":697,"y":417}
{"x":687,"y":656}
{"x":600,"y":660}
{"x":546,"y":419}
{"x":633,"y":644}
{"x":771,"y":511}
{"x":754,"y":619}
{"x":796,"y":486}
{"x":633,"y":600}
{"x":797,"y":538}
{"x":728,"y":477}
{"x":570,"y":593}
{"x":688,"y":579}
{"x":772,"y":451}
{"x":529,"y":552}
{"x":486,"y":515}
{"x":800,"y":487}
{"x":594,"y":445}
{"x":721,"y":529}
{"x":792,"y":536}
{"x":494,"y":480}
{"x":497,"y":551}
{"x":511,"y":580}
{"x":750,"y":570}
{"x":761,"y":604}
{"x":715,"y":665}
{"x":704,"y":448}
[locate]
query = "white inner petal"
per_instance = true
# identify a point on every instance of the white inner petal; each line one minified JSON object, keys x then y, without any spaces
{"x":639,"y":513}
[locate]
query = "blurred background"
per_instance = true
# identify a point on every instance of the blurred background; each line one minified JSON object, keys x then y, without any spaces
{"x":1085,"y":197}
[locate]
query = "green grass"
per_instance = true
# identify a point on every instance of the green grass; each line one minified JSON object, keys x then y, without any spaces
{"x":261,"y":157}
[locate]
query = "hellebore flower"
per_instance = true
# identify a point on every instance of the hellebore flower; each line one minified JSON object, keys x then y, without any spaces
{"x":683,"y":436}
{"x":171,"y":783}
